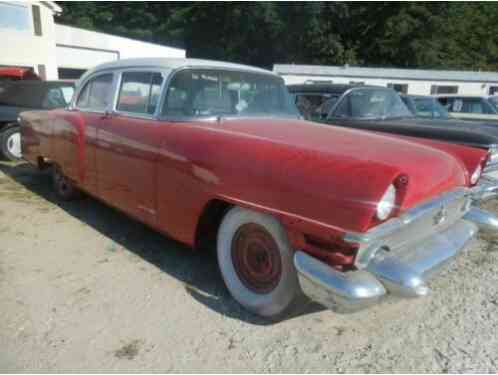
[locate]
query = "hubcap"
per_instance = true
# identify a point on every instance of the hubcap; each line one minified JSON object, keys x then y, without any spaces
{"x":14,"y":144}
{"x":256,"y":258}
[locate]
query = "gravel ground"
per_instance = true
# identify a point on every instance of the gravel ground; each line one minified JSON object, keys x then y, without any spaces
{"x":83,"y":288}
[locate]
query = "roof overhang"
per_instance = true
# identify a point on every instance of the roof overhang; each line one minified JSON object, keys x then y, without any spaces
{"x":52,"y":6}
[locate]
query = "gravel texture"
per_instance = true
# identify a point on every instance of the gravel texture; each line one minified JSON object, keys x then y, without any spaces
{"x":84,"y":288}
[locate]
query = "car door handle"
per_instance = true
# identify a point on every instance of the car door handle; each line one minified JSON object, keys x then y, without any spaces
{"x":106,"y":114}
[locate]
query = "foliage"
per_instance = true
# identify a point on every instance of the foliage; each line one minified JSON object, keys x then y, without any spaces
{"x":407,"y":34}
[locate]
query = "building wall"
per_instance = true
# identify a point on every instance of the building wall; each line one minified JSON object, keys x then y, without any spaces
{"x":24,"y":48}
{"x":62,"y":46}
{"x":416,"y":87}
{"x":82,"y":49}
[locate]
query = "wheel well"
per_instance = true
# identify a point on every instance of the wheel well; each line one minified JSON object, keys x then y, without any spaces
{"x":209,"y":222}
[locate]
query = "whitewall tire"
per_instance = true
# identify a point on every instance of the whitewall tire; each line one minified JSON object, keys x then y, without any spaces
{"x":256,"y":262}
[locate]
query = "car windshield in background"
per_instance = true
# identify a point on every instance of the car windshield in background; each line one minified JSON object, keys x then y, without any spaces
{"x":206,"y":93}
{"x":494,"y":102}
{"x":372,"y":104}
{"x":430,"y":107}
{"x":315,"y":106}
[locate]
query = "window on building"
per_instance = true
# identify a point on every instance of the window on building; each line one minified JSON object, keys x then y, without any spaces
{"x":493,"y":90}
{"x":14,"y":17}
{"x":438,"y":89}
{"x":399,"y":87}
{"x":359,"y":83}
{"x":97,"y":93}
{"x":36,"y":19}
{"x":70,"y":74}
{"x":139,"y":92}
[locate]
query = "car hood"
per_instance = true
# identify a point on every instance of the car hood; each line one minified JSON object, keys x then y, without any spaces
{"x":489,"y":129}
{"x":356,"y":159}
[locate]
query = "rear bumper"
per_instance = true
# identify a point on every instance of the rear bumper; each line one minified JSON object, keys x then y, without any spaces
{"x":403,"y":273}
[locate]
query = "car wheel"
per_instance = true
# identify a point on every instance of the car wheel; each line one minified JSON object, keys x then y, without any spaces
{"x":63,"y":186}
{"x":11,"y":143}
{"x":256,"y":262}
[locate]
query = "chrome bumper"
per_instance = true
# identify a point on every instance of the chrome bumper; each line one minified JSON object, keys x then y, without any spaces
{"x":403,"y":272}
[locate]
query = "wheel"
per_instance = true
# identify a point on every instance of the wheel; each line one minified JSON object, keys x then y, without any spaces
{"x":11,"y":143}
{"x":64,"y":187}
{"x":256,"y":262}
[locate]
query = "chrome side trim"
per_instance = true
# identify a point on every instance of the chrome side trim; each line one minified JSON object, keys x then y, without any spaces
{"x":395,"y":224}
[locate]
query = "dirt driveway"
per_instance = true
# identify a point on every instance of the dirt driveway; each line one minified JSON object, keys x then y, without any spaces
{"x":82,"y":287}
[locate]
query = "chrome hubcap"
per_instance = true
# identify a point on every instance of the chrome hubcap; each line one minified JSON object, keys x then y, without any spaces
{"x":14,"y":144}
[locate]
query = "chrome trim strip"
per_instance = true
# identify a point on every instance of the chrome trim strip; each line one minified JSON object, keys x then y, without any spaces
{"x":486,"y":221}
{"x":409,"y":216}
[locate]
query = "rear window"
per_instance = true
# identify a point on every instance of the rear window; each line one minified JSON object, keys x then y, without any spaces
{"x":35,"y":95}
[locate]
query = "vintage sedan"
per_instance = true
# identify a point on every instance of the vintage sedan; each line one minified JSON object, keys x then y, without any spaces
{"x":381,"y":109}
{"x":214,"y":153}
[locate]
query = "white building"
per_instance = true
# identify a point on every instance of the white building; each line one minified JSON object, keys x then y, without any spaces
{"x":29,"y":37}
{"x":410,"y":81}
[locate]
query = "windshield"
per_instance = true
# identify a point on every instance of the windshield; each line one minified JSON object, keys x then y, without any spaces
{"x":429,"y":107}
{"x":494,"y":102}
{"x":315,"y":106}
{"x":206,"y":93}
{"x":370,"y":103}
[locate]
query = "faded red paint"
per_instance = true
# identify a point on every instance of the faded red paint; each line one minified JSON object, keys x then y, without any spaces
{"x":16,"y":74}
{"x":319,"y":180}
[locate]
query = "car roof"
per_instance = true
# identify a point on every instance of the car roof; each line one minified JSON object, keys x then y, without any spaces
{"x":177,"y":63}
{"x":328,"y":88}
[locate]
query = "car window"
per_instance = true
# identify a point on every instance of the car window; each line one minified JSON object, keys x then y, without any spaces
{"x":315,"y":106}
{"x":67,"y":92}
{"x":139,"y":92}
{"x":97,"y":93}
{"x":472,"y":105}
{"x":54,"y":99}
{"x":372,"y":104}
{"x":200,"y":93}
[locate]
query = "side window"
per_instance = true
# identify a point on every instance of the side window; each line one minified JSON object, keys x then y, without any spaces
{"x":97,"y":93}
{"x":343,"y":109}
{"x":54,"y":99}
{"x":139,"y":92}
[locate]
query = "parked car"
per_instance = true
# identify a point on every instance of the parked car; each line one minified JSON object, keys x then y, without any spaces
{"x":17,"y":74}
{"x":211,"y":152}
{"x":381,"y":109}
{"x":475,"y":108}
{"x":425,"y":106}
{"x":19,"y":96}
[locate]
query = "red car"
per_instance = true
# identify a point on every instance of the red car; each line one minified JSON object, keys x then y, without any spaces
{"x":18,"y":74}
{"x":215,"y":153}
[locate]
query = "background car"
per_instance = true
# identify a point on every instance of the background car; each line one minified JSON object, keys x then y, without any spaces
{"x":467,"y":107}
{"x":17,"y":74}
{"x":19,"y":96}
{"x":425,"y":106}
{"x":381,"y":109}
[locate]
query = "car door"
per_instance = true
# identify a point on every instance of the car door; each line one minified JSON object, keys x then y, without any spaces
{"x":75,"y":131}
{"x":128,"y":141}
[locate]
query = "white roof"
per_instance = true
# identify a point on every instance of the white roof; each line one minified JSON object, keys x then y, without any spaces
{"x":175,"y":63}
{"x":386,"y":73}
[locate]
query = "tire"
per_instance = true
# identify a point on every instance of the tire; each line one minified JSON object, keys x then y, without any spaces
{"x":63,"y":186}
{"x":10,"y":143}
{"x":256,"y":263}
